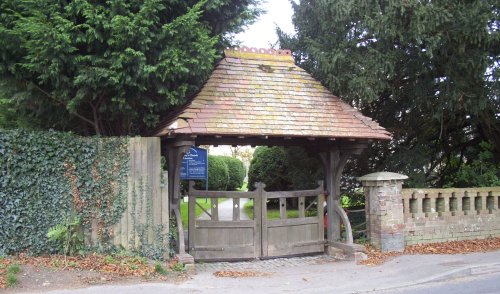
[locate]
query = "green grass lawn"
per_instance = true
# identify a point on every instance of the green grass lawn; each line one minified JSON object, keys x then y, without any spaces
{"x":198,"y":210}
{"x":271,"y":213}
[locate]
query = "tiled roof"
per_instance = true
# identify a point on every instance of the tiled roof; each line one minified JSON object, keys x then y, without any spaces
{"x":259,"y":92}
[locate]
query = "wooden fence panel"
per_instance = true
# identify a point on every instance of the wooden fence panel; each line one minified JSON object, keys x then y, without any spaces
{"x":147,"y":202}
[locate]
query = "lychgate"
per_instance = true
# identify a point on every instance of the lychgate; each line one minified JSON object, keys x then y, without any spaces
{"x":260,"y":97}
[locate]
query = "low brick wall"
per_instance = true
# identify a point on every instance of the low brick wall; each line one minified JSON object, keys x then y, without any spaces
{"x":439,"y":215}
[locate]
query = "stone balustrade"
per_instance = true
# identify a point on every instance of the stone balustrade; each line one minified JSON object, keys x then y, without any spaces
{"x":397,"y":217}
{"x":439,"y":215}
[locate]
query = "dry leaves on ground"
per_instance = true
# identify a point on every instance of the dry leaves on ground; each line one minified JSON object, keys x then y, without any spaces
{"x":4,"y":264}
{"x":239,"y":274}
{"x":455,"y":247}
{"x":376,"y":257}
{"x":118,"y":265}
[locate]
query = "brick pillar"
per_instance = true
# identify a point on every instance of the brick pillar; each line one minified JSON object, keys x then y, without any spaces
{"x":384,"y":210}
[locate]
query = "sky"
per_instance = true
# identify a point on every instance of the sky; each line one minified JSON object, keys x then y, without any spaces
{"x":263,"y":32}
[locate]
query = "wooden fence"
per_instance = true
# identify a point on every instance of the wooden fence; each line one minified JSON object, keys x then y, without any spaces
{"x":146,"y":218}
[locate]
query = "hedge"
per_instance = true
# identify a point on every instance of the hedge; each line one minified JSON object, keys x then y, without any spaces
{"x":269,"y":166}
{"x":236,"y":172}
{"x":47,"y":177}
{"x":225,"y":173}
{"x":283,"y":169}
{"x":218,"y":173}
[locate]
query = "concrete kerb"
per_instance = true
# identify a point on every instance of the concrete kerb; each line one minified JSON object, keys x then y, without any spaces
{"x":463,"y":272}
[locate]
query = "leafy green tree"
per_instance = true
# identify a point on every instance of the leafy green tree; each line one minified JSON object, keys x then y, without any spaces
{"x":111,"y":67}
{"x":481,"y":172}
{"x":428,"y":71}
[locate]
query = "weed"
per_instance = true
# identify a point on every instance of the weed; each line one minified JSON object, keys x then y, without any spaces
{"x":68,"y":236}
{"x":14,"y":269}
{"x":362,"y":240}
{"x":57,"y":263}
{"x":139,"y":259}
{"x":109,"y":259}
{"x":72,"y":264}
{"x":11,"y":280}
{"x":178,"y":267}
{"x":133,"y":267}
{"x":159,"y":269}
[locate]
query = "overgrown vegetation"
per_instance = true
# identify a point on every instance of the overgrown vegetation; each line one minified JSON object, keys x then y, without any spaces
{"x":49,"y":177}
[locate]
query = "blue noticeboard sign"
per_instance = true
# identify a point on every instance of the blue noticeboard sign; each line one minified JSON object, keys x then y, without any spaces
{"x":194,"y":164}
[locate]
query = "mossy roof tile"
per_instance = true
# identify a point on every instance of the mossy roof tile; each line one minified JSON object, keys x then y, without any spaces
{"x":263,"y":92}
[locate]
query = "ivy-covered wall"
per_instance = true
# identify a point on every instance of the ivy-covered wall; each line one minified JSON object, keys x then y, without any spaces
{"x":47,"y":177}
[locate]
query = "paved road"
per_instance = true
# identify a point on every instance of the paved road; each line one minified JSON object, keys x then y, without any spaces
{"x":478,"y":271}
{"x":482,"y":284}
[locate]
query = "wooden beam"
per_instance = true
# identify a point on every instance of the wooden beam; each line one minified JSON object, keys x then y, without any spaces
{"x":316,"y":144}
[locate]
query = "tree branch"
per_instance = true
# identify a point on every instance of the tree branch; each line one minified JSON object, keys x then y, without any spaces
{"x":64,"y":104}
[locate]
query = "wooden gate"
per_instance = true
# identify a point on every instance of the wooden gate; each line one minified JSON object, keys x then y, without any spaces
{"x":225,"y":236}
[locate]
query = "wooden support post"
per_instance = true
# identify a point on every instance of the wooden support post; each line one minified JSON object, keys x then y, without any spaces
{"x":175,"y":153}
{"x":334,"y":162}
